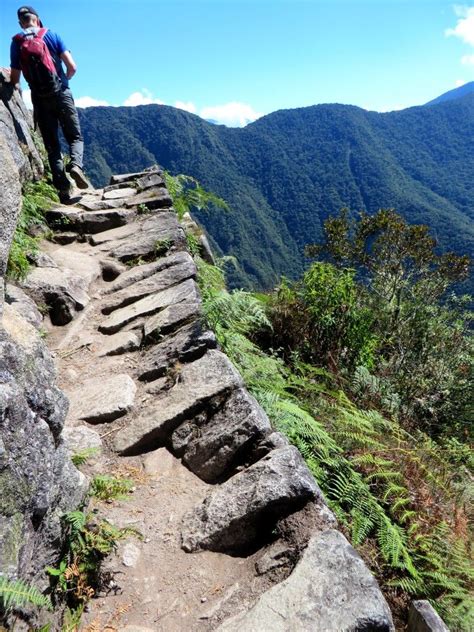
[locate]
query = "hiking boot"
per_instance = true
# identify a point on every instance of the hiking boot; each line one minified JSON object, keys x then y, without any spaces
{"x":79,"y":178}
{"x":65,"y":196}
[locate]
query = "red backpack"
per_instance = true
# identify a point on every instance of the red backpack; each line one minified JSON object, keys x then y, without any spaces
{"x":37,"y":64}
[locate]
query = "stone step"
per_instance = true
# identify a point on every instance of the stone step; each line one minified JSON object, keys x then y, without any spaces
{"x":63,"y":292}
{"x":185,"y":291}
{"x":238,"y":515}
{"x":195,"y":385}
{"x":170,"y":319}
{"x":154,"y":235}
{"x":139,"y":272}
{"x":122,"y":342}
{"x":187,"y":344}
{"x":119,"y":194}
{"x":150,"y":285}
{"x":154,"y":198}
{"x":83,"y":222}
{"x":330,"y":589}
{"x":102,"y":400}
{"x":127,"y":177}
{"x":210,"y":445}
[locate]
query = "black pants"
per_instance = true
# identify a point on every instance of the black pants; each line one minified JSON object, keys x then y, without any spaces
{"x":50,"y":112}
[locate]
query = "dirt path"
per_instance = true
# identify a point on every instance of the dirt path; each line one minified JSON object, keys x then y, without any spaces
{"x":154,"y":584}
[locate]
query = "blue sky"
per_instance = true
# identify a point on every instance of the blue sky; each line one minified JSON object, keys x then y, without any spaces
{"x":233,"y":60}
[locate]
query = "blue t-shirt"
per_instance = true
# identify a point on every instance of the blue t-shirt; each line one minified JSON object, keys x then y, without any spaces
{"x":55,"y":45}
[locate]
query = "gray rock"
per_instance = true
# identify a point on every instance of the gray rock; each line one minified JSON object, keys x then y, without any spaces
{"x":137,"y":273}
{"x":73,"y":219}
{"x":37,"y":480}
{"x":10,"y":200}
{"x":277,"y":555}
{"x":215,"y":445}
{"x":130,"y":555}
{"x":150,"y":180}
{"x":80,"y":438}
{"x":170,"y":319}
{"x":422,"y":617}
{"x":42,"y":260}
{"x":330,"y":589}
{"x":118,"y":194}
{"x":195,"y":385}
{"x":239,"y":513}
{"x":187,"y":344}
{"x":151,"y":235}
{"x":149,"y":305}
{"x":119,"y":343}
{"x":64,"y":238}
{"x":113,"y":234}
{"x":85,"y":266}
{"x":24,"y":305}
{"x":150,"y":285}
{"x":127,"y":177}
{"x":99,"y":401}
{"x":16,"y":124}
{"x":154,"y":198}
{"x":62,"y":291}
{"x":90,"y":202}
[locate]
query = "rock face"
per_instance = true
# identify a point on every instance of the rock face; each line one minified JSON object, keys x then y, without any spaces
{"x":15,"y":127}
{"x":231,"y":517}
{"x":38,"y":482}
{"x":424,"y":618}
{"x":330,"y":589}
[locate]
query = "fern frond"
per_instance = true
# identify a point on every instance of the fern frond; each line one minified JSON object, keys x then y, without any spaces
{"x":16,"y":593}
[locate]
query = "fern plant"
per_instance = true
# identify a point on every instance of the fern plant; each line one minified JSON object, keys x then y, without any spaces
{"x":17,"y":593}
{"x":377,"y":478}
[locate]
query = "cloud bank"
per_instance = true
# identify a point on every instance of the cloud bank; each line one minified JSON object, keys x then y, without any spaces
{"x":464,"y":28}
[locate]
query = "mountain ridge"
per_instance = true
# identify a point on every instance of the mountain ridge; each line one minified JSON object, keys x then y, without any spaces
{"x":283,"y":174}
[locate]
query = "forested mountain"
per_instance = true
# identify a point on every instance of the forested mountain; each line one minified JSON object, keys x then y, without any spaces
{"x":456,"y":93}
{"x":284,"y":174}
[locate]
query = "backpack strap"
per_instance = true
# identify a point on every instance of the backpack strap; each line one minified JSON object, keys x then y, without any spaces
{"x":41,"y":33}
{"x":18,"y":38}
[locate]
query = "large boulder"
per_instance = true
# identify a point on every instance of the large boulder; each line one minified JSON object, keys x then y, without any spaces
{"x":38,"y":482}
{"x":330,"y":589}
{"x":240,"y":514}
{"x":16,"y":127}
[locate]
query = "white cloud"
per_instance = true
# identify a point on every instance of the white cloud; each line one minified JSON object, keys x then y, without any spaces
{"x":231,"y":114}
{"x":459,"y":83}
{"x":464,"y":28}
{"x":188,"y":107}
{"x":142,"y":98}
{"x":87,"y":102}
{"x":467,"y":60}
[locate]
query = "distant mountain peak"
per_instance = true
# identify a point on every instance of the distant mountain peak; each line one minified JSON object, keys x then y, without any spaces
{"x":456,"y":93}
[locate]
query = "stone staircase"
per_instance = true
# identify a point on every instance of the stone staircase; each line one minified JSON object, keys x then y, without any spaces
{"x":236,"y":533}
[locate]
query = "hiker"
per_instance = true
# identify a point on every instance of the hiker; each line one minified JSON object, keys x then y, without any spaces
{"x":39,"y":53}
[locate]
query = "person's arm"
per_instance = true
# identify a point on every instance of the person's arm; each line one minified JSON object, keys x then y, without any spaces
{"x":15,"y":72}
{"x":70,"y":64}
{"x":15,"y":75}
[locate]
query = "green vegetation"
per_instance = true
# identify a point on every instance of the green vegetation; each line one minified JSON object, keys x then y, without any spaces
{"x":81,"y":457}
{"x":283,"y":175}
{"x":17,"y":593}
{"x":188,"y":194}
{"x":105,"y":487}
{"x":368,"y":372}
{"x":37,"y":198}
{"x":89,"y":540}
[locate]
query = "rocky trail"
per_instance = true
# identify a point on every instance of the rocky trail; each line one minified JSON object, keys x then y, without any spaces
{"x":234,"y":532}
